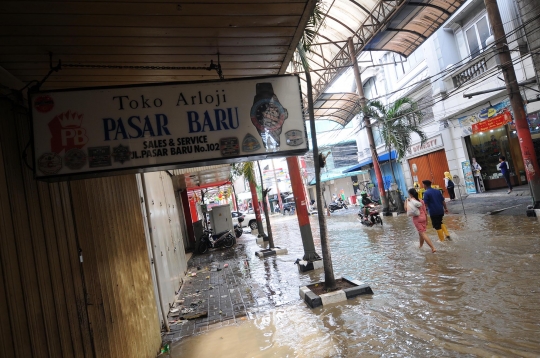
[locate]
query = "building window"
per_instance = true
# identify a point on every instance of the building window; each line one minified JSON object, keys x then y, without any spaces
{"x":370,"y":88}
{"x":377,"y":138}
{"x":477,"y":36}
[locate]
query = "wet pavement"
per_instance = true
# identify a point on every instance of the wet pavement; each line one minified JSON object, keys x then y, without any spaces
{"x":515,"y":203}
{"x":479,"y":295}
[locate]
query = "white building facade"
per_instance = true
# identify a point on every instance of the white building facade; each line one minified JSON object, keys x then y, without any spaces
{"x":456,"y":79}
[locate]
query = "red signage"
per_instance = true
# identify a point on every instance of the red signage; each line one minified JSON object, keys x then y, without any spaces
{"x":492,"y":123}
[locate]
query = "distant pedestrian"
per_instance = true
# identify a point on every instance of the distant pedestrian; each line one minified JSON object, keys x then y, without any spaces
{"x":477,"y":175}
{"x":505,"y":170}
{"x":436,"y":207}
{"x":417,"y":210}
{"x":449,"y":185}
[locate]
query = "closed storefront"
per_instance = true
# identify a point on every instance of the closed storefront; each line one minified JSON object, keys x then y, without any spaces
{"x":428,"y":161}
{"x":430,"y":166}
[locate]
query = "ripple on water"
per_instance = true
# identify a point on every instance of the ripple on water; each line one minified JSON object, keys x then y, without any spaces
{"x":477,"y":296}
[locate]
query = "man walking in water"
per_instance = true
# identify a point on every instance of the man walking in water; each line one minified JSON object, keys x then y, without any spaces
{"x":437,"y":208}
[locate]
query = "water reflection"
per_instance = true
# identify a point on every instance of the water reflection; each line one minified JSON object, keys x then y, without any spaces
{"x":479,"y":295}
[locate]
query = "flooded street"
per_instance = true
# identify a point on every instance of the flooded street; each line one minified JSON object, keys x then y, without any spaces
{"x":479,"y":295}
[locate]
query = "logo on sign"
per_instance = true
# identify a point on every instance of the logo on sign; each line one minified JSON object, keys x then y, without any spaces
{"x":294,"y":137}
{"x":43,"y":104}
{"x":250,"y":143}
{"x":49,"y":163}
{"x":229,"y":146}
{"x":75,"y":159}
{"x":121,"y":154}
{"x":67,"y":132}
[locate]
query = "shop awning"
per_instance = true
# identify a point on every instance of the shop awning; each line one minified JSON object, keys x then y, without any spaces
{"x":382,"y":158}
{"x":337,"y":174}
{"x":375,"y":25}
{"x":411,"y":25}
{"x":337,"y":107}
{"x":104,"y":43}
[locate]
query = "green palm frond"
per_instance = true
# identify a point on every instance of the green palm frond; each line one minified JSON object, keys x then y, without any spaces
{"x":236,"y":171}
{"x":248,"y":172}
{"x":312,"y":27}
{"x":397,"y":123}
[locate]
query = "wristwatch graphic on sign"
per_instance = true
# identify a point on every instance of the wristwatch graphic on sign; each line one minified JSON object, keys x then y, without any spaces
{"x":268,"y":115}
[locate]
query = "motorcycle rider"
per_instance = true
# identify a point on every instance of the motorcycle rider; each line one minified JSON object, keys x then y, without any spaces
{"x":365,"y":202}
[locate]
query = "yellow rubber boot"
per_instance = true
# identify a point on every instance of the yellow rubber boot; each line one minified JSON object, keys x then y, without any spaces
{"x":441,"y":235}
{"x":445,"y":231}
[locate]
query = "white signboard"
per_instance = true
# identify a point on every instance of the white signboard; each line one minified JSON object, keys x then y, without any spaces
{"x":429,"y":146}
{"x":95,"y":131}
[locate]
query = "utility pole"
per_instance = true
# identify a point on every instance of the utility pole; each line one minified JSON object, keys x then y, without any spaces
{"x":367,"y":122}
{"x":516,"y":101}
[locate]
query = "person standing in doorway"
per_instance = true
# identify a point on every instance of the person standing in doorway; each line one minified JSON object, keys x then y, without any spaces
{"x":477,"y":175}
{"x":449,"y":185}
{"x":505,"y":170}
{"x":420,"y":220}
{"x":437,"y":208}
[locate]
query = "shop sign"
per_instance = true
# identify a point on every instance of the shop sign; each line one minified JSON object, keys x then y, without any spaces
{"x":97,"y":131}
{"x":428,"y":146}
{"x":492,"y":123}
{"x":467,"y":122}
{"x":470,"y":187}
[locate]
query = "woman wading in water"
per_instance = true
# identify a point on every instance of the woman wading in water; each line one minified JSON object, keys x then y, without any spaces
{"x":417,"y":209}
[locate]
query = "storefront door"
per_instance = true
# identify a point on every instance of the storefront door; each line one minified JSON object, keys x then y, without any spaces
{"x":488,"y":146}
{"x":430,"y":166}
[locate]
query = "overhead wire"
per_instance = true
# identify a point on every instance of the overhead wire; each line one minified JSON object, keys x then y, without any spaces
{"x":442,"y":74}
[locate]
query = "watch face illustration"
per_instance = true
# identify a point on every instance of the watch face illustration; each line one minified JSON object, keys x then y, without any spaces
{"x":294,"y":137}
{"x":268,"y":115}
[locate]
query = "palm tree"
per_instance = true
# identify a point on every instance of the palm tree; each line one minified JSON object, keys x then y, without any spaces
{"x":397,"y":123}
{"x":246,"y":170}
{"x":265,"y":208}
{"x":301,"y":54}
{"x":233,"y":175}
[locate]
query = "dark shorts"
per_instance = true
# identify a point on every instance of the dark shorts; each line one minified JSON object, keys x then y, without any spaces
{"x":436,"y":221}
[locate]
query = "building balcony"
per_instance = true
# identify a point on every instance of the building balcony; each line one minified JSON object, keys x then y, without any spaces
{"x":470,"y":70}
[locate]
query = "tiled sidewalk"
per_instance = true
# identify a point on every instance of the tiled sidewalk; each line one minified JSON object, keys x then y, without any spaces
{"x":230,"y":285}
{"x":215,"y":289}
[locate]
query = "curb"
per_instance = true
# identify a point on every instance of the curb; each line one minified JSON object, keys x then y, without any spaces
{"x":304,"y":266}
{"x":313,"y":300}
{"x":271,"y":252}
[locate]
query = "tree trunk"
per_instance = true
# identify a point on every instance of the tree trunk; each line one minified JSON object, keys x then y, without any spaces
{"x":399,"y":201}
{"x":390,"y":160}
{"x":234,"y":197}
{"x":255,"y":204}
{"x":265,"y":208}
{"x":329,"y":279}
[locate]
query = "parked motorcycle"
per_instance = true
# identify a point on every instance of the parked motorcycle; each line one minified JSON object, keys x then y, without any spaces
{"x":337,"y":205}
{"x":214,"y":241}
{"x":238,"y":231}
{"x":373,"y":216}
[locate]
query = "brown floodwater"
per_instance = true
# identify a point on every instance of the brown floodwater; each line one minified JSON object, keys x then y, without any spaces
{"x":478,"y":296}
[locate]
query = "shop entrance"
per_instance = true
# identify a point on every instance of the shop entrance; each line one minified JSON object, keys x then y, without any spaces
{"x":430,"y":166}
{"x":488,"y":146}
